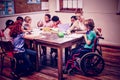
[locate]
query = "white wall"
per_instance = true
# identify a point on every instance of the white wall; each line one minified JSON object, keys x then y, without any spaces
{"x":102,"y":11}
{"x":104,"y":14}
{"x":36,"y":16}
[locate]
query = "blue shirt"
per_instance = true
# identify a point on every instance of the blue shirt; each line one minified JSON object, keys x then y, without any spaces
{"x":18,"y":43}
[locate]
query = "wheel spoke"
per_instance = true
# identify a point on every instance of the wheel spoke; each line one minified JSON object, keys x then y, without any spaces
{"x":92,"y":64}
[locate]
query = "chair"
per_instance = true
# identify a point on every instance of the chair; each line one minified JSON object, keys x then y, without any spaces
{"x":6,"y":53}
{"x":6,"y":50}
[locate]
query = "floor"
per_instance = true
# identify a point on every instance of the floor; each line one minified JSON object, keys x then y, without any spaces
{"x":111,"y":71}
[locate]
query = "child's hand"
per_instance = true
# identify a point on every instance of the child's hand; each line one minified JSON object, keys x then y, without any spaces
{"x":77,"y":32}
{"x":68,"y":32}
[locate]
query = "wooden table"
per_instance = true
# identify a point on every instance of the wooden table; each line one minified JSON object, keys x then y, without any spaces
{"x":52,"y":40}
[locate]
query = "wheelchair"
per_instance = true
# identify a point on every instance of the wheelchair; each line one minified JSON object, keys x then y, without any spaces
{"x":91,"y":63}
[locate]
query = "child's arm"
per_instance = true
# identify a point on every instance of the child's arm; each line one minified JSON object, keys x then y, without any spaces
{"x":86,"y":40}
{"x":81,"y":32}
{"x":72,"y":27}
{"x":40,"y":24}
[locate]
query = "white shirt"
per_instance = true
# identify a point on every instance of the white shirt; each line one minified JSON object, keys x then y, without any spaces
{"x":7,"y":35}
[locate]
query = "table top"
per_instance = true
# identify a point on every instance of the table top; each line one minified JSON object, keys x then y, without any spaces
{"x":50,"y":37}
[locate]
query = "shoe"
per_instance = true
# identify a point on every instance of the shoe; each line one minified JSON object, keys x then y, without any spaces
{"x":70,"y":72}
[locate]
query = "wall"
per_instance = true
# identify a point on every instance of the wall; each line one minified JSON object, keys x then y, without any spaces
{"x":102,"y":11}
{"x":104,"y":14}
{"x":36,"y":16}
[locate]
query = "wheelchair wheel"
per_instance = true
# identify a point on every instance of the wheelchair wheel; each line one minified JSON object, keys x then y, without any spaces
{"x":92,"y":64}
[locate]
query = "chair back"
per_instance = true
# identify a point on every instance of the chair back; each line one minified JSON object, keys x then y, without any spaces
{"x":6,"y":46}
{"x":2,"y":34}
{"x":96,"y":43}
{"x":99,"y":31}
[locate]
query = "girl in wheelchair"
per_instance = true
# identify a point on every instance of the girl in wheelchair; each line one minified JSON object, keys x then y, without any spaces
{"x":79,"y":51}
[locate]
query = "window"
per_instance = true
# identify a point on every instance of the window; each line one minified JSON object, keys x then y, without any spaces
{"x":70,"y":5}
{"x":44,"y":5}
{"x":33,"y":1}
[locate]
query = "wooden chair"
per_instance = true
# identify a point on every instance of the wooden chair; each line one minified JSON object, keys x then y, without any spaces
{"x":6,"y":52}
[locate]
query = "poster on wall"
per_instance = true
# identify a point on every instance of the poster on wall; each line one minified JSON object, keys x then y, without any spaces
{"x":6,"y":7}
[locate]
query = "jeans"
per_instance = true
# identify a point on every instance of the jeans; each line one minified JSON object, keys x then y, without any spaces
{"x":28,"y":57}
{"x":32,"y":56}
{"x":80,"y":50}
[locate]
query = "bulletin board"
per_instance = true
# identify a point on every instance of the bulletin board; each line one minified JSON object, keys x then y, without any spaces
{"x":22,"y":6}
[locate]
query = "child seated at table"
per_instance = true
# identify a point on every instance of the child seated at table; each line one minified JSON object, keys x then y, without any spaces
{"x":54,"y":52}
{"x":53,"y":57}
{"x":27,"y":24}
{"x":73,"y":19}
{"x":89,"y":38}
{"x":78,"y":24}
{"x":18,"y":42}
{"x":45,"y":23}
{"x":9,"y":23}
{"x":19,"y":20}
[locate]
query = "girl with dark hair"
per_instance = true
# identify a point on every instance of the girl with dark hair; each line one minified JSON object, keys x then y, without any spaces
{"x":20,"y":20}
{"x":56,"y":21}
{"x":47,"y":21}
{"x":78,"y":24}
{"x":9,"y":24}
{"x":46,"y":24}
{"x":73,"y":19}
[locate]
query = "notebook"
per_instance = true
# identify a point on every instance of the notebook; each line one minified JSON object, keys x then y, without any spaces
{"x":63,"y":27}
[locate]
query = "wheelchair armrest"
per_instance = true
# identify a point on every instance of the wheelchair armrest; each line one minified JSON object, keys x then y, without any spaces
{"x":100,"y":37}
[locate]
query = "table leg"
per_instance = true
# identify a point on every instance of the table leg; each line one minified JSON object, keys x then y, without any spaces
{"x":36,"y":47}
{"x":60,"y":74}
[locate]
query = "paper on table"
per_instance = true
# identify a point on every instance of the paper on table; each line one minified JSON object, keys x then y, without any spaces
{"x":73,"y":35}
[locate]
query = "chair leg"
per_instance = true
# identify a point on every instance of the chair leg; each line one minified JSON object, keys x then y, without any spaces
{"x":43,"y":56}
{"x":53,"y":59}
{"x":12,"y":64}
{"x":2,"y":63}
